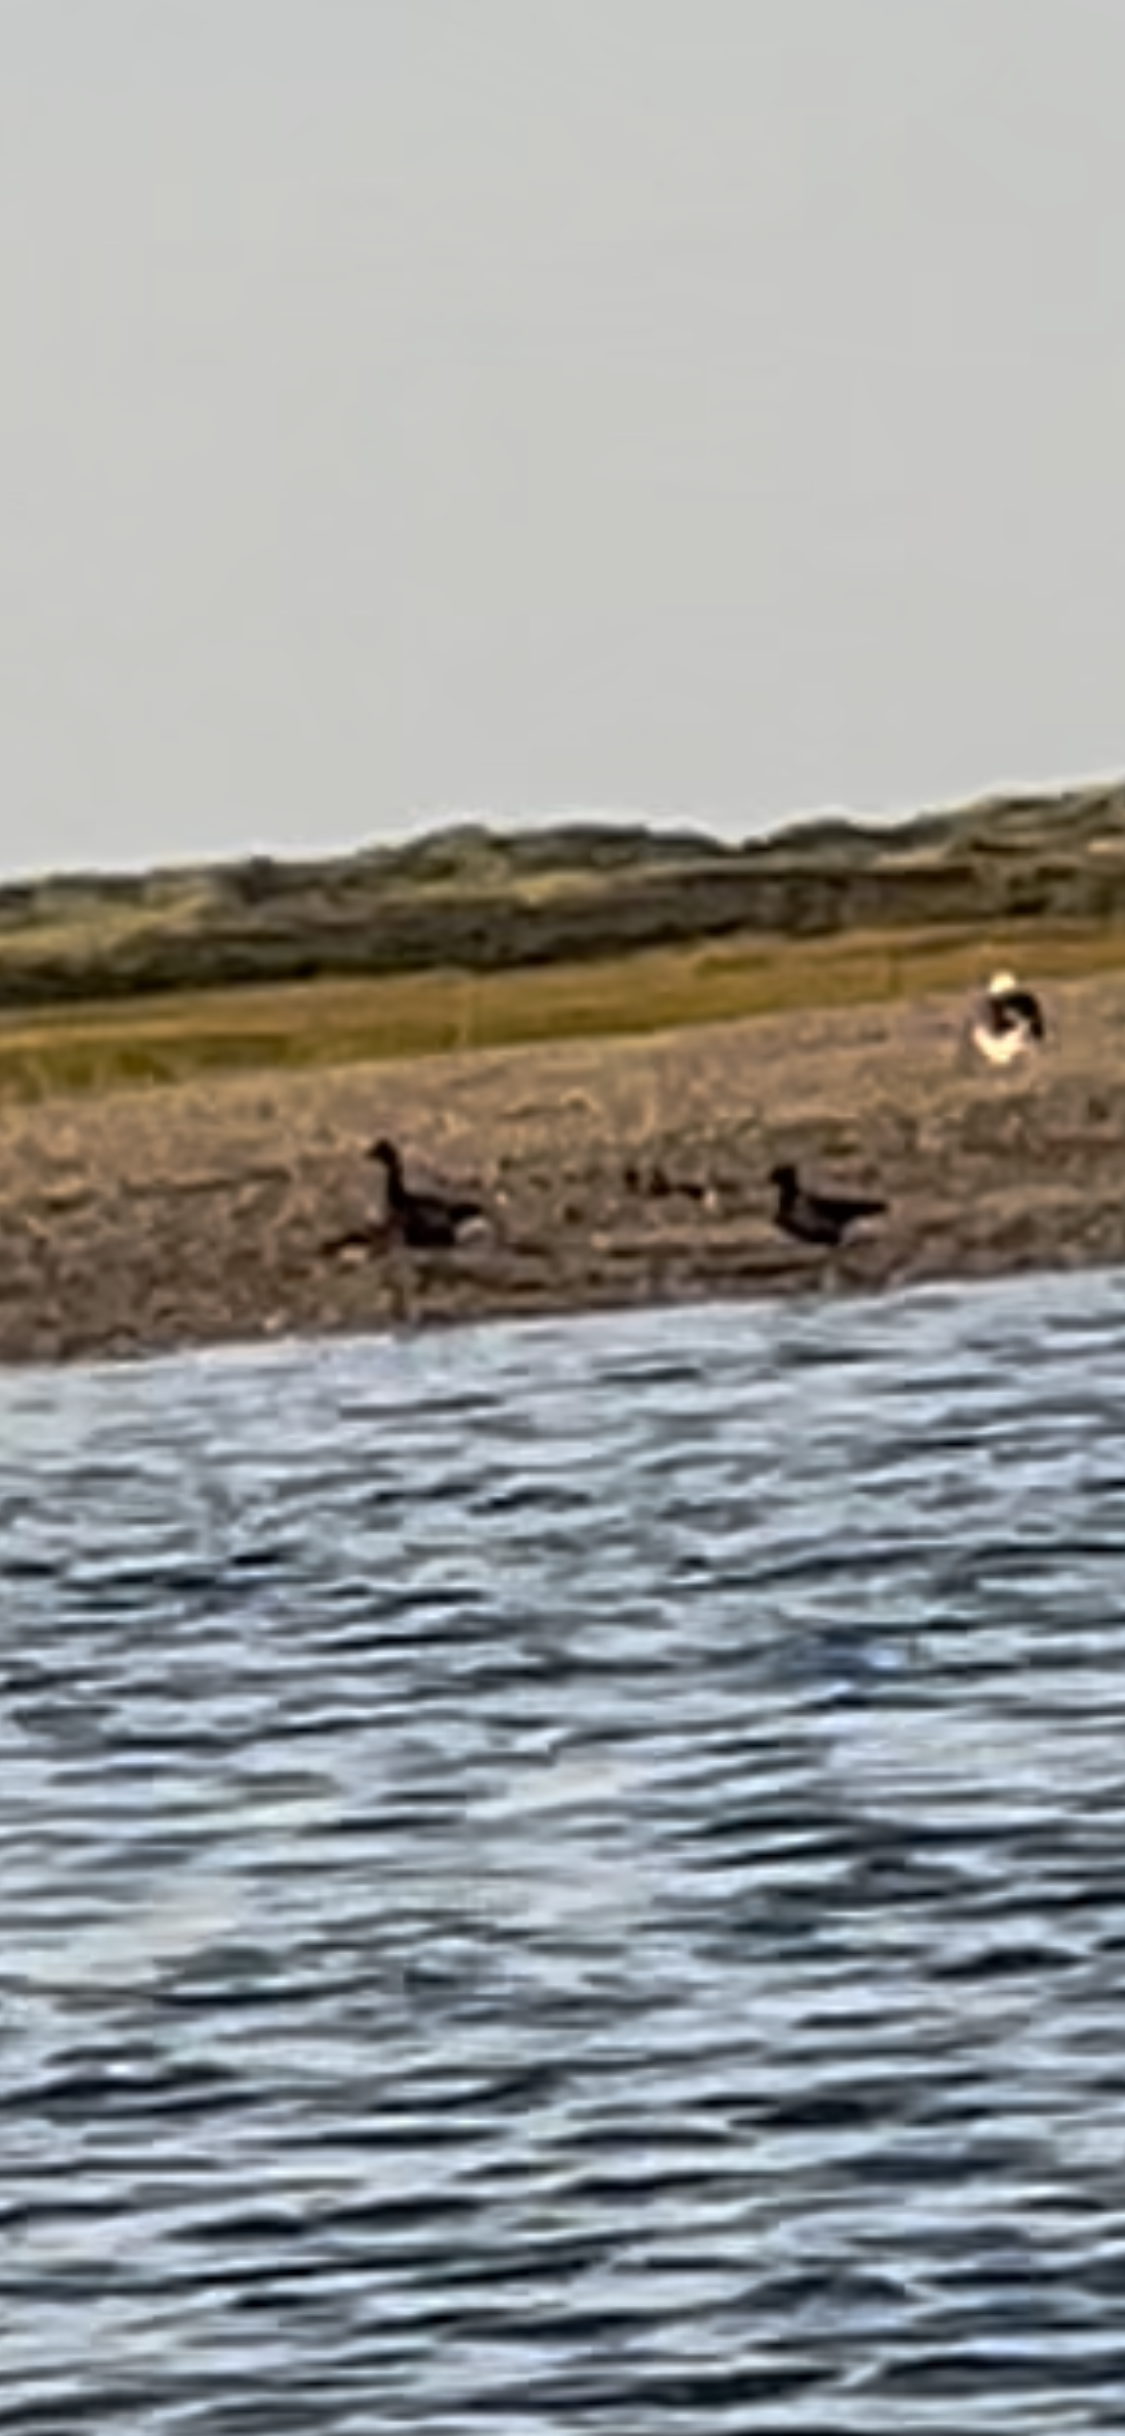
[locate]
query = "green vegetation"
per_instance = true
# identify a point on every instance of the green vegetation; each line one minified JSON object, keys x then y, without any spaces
{"x":466,"y":938}
{"x":471,"y":901}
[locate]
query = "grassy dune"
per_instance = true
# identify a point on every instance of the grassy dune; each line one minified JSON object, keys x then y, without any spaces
{"x":187,"y":1035}
{"x":466,"y":938}
{"x":472,"y":901}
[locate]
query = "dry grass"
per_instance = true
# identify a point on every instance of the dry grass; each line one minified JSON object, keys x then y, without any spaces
{"x":334,"y":1022}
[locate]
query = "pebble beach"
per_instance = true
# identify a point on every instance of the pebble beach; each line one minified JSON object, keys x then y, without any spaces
{"x":618,"y":1172}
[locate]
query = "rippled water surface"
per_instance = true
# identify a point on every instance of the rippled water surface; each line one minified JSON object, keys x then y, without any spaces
{"x":571,"y":1877}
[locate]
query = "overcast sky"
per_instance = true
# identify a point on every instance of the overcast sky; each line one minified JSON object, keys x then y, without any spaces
{"x":411,"y":408}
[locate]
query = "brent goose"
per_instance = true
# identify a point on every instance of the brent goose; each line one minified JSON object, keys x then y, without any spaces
{"x":817,"y":1217}
{"x":1008,"y":1021}
{"x":427,"y":1222}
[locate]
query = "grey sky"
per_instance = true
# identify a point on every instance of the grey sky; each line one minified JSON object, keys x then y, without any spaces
{"x":410,"y":407}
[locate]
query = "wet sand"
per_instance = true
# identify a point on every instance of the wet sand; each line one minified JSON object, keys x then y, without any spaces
{"x":151,"y":1220}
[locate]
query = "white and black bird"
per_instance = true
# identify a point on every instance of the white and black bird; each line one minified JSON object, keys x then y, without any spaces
{"x":1008,"y":1022}
{"x":821,"y":1218}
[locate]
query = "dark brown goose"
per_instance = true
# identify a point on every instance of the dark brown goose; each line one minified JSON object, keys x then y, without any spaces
{"x":822,"y":1218}
{"x":428,"y":1221}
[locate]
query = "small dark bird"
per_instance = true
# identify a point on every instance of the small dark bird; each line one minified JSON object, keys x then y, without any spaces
{"x":824,"y":1218}
{"x":656,"y":1184}
{"x":426,"y":1222}
{"x":1009,"y":1021}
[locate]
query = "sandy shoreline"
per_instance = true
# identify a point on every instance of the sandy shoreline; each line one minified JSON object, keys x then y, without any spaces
{"x":195,"y":1215}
